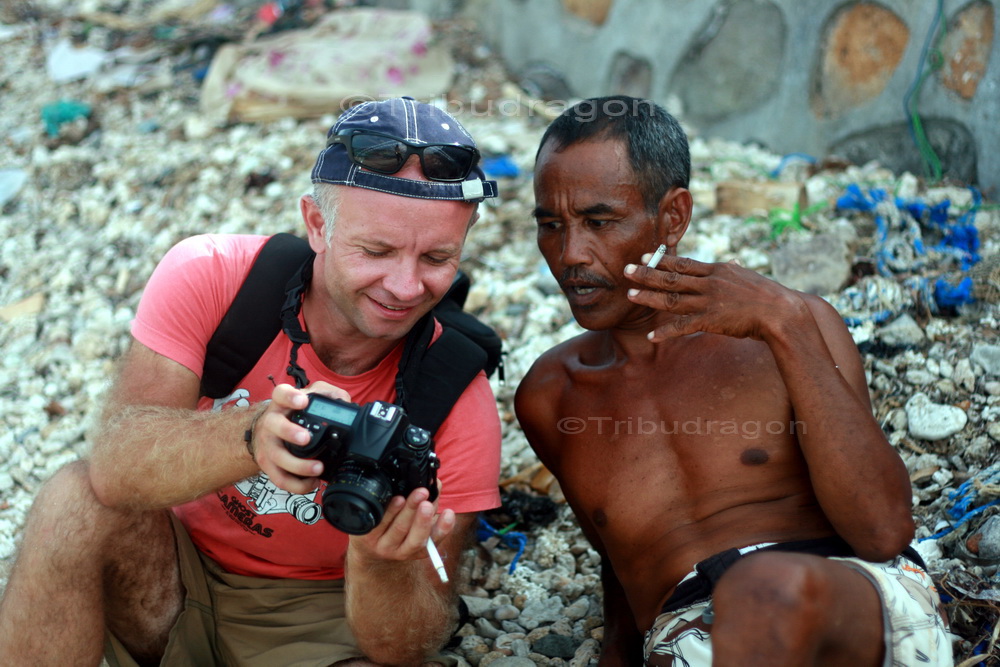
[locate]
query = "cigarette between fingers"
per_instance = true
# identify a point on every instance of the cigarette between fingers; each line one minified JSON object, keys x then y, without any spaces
{"x":436,"y":561}
{"x":657,"y":256}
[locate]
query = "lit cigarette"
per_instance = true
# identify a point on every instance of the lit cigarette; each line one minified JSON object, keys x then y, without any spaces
{"x":436,"y":560}
{"x":657,"y":256}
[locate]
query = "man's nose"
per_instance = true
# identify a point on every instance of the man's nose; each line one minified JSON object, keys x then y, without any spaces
{"x":576,"y":248}
{"x":404,"y":281}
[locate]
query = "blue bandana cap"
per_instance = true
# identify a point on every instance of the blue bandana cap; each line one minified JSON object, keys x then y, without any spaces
{"x":413,"y":121}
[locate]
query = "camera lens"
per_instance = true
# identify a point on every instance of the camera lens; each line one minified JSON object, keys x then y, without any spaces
{"x":355,"y":499}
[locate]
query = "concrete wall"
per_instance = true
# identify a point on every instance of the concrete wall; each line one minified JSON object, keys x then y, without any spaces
{"x":813,"y":76}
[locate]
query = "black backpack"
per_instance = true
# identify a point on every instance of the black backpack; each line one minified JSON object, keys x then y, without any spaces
{"x":430,"y":378}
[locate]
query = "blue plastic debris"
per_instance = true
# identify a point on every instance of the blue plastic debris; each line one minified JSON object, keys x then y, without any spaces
{"x":803,"y":157}
{"x":947,"y":295}
{"x":501,"y":166}
{"x":508,"y":538}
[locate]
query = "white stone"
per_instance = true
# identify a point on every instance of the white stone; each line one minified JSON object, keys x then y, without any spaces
{"x":987,"y":357}
{"x":927,"y":420}
{"x":964,"y":375}
{"x":920,"y":377}
{"x":903,"y":331}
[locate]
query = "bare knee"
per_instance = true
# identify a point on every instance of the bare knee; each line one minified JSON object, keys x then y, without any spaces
{"x":67,"y":512}
{"x":66,"y":498}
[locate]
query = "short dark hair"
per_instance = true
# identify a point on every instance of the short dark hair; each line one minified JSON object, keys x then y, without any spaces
{"x":657,"y":145}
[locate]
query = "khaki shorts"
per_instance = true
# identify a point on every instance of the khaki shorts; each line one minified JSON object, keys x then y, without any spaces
{"x":230,"y":619}
{"x":914,"y":630}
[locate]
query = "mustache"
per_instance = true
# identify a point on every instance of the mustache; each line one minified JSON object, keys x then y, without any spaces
{"x":582,"y":275}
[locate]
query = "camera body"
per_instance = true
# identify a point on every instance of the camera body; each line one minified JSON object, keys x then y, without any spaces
{"x":370,"y":453}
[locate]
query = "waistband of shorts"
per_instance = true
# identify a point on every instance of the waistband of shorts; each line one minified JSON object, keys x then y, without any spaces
{"x":698,"y":586}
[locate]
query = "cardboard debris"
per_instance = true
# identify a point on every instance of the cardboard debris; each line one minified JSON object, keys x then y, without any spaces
{"x":538,"y":477}
{"x":169,"y":10}
{"x":349,"y":56}
{"x":743,"y":198}
{"x":32,"y":305}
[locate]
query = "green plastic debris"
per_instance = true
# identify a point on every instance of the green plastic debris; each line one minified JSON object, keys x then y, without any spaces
{"x":64,"y":111}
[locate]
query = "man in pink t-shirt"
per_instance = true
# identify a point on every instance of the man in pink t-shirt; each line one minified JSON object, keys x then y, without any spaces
{"x":194,"y":534}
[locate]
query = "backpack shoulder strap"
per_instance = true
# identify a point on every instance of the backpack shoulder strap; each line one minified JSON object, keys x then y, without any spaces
{"x":451,"y":313}
{"x":431,"y":379}
{"x":254,"y":317}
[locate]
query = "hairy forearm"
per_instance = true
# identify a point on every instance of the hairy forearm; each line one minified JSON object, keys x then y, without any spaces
{"x":151,"y":457}
{"x":400,"y":612}
{"x":857,"y":476}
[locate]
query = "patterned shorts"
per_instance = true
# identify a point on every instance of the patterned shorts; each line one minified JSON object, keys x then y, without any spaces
{"x":914,"y":630}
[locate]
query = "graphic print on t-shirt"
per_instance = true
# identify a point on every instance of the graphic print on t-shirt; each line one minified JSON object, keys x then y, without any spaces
{"x":260,"y":495}
{"x":263,"y":497}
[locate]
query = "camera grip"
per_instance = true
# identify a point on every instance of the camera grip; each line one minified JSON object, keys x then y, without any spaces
{"x":309,"y":451}
{"x":317,"y":438}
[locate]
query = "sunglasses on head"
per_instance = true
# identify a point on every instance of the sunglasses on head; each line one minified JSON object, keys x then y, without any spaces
{"x":387,"y":154}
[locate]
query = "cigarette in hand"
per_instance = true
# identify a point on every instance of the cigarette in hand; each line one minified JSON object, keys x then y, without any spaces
{"x":657,"y":256}
{"x":436,"y":560}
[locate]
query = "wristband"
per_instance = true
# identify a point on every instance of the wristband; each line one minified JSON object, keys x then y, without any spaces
{"x":248,"y":435}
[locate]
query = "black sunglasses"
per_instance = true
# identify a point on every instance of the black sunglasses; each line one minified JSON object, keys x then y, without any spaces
{"x":387,"y":154}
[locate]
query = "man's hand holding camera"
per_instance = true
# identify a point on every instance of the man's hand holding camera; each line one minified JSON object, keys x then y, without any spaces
{"x":389,"y":504}
{"x":273,"y":429}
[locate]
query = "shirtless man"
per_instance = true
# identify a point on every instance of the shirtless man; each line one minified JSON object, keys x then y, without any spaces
{"x":709,"y":411}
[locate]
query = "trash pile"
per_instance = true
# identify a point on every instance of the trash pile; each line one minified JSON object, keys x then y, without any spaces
{"x":128,"y":125}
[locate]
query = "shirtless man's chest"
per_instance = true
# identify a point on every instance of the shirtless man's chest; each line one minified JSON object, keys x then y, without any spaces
{"x":680,"y":459}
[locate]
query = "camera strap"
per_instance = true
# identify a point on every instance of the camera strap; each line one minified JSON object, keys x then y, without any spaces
{"x":294,"y":290}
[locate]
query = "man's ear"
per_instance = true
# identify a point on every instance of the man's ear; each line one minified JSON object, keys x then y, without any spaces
{"x":315,"y":225}
{"x":674,"y":215}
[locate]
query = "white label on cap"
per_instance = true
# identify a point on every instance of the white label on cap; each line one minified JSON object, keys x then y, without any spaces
{"x":446,"y":126}
{"x":373,"y":119}
{"x":472,"y":189}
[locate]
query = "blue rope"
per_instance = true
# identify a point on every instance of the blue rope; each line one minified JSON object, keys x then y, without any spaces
{"x":877,"y":318}
{"x":509,"y":539}
{"x":966,"y":494}
{"x":960,"y":239}
{"x":856,"y":200}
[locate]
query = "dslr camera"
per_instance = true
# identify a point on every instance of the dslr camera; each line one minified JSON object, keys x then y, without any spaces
{"x":370,"y":453}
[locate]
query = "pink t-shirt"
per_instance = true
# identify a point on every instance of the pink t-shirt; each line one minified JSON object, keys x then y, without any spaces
{"x":252,"y":527}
